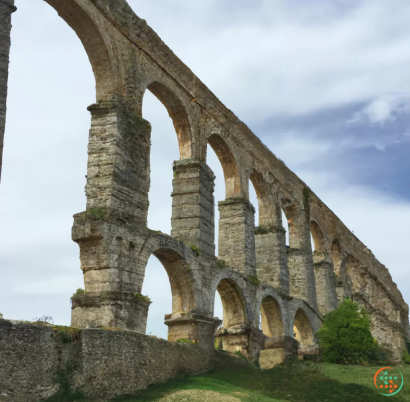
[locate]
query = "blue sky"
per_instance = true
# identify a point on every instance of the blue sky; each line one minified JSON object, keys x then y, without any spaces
{"x":325,"y":86}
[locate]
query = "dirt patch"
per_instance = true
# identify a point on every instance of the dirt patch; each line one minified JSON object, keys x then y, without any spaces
{"x":193,"y":395}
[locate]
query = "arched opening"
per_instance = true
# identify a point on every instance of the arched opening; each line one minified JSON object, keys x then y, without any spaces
{"x":168,"y":278}
{"x":271,"y":318}
{"x":229,"y":166}
{"x":236,"y":247}
{"x":319,"y":242}
{"x":164,"y":151}
{"x":45,"y":158}
{"x":336,"y":254}
{"x":234,"y":312}
{"x":92,"y":38}
{"x":179,"y":116}
{"x":270,"y":236}
{"x":286,"y":227}
{"x":219,"y":191}
{"x":302,"y":329}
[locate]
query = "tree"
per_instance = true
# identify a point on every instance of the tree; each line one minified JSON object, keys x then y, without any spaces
{"x":345,"y":336}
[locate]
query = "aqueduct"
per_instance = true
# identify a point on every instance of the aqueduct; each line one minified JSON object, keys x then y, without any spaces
{"x":289,"y":288}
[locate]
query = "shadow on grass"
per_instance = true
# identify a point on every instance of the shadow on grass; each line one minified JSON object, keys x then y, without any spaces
{"x":299,"y":382}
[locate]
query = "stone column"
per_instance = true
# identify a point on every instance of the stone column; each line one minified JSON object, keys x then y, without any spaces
{"x":6,"y":9}
{"x":300,"y":260}
{"x":193,"y":205}
{"x":271,"y":258}
{"x":110,"y":232}
{"x":325,"y":282}
{"x":276,"y":350}
{"x":237,"y":235}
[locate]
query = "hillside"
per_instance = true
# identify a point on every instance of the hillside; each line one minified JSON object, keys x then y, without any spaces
{"x":301,"y":382}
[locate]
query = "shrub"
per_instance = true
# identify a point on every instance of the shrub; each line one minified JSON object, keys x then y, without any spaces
{"x":222,"y":264}
{"x":44,"y":318}
{"x":345,"y":336}
{"x":406,"y":358}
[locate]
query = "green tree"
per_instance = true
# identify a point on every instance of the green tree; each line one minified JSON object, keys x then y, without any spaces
{"x":345,"y":336}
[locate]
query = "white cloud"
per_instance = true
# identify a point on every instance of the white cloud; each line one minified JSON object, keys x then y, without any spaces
{"x":289,"y":57}
{"x":383,"y":110}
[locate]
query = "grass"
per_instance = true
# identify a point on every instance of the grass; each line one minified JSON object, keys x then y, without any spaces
{"x":295,"y":381}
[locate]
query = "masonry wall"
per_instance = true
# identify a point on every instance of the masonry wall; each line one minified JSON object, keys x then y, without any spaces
{"x":39,"y":361}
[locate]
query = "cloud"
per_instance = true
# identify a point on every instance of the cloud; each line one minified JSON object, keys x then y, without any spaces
{"x":289,"y":57}
{"x":385,"y":109}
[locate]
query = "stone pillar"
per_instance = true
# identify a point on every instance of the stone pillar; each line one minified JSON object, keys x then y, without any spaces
{"x":6,"y":9}
{"x":193,"y":205}
{"x":241,"y":338}
{"x":192,"y":328}
{"x":325,"y":282}
{"x":237,"y":235}
{"x":110,"y":231}
{"x":276,"y":350}
{"x":271,"y":258}
{"x":300,"y":260}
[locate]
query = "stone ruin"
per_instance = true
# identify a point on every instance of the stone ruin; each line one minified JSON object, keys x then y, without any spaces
{"x":290,"y":288}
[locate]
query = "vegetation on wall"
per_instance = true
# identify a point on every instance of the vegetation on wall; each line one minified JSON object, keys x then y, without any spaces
{"x":345,"y":336}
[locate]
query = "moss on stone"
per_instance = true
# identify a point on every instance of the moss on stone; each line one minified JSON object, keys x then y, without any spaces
{"x":222,"y":263}
{"x":254,"y":280}
{"x":96,"y":213}
{"x":184,"y":340}
{"x":196,"y":250}
{"x":306,"y":195}
{"x":139,"y":296}
{"x":67,"y":334}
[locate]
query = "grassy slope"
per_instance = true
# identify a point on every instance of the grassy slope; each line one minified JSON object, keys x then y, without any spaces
{"x":301,"y":382}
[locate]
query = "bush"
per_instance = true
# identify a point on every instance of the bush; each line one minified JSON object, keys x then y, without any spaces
{"x":406,"y":358}
{"x":345,"y":336}
{"x":45,"y":318}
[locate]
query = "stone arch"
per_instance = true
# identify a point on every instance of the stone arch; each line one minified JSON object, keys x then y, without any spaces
{"x":178,"y":263}
{"x":180,"y":278}
{"x":179,"y":115}
{"x":302,"y":328}
{"x":268,"y":203}
{"x":78,"y":16}
{"x":319,"y":239}
{"x":270,"y":235}
{"x":271,"y":317}
{"x":336,"y":254}
{"x":229,"y":165}
{"x":235,"y":311}
{"x":290,"y":210}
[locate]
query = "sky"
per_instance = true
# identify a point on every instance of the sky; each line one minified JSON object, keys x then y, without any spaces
{"x":325,"y":86}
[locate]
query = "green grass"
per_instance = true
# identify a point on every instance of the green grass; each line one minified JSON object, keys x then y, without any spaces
{"x":300,"y":381}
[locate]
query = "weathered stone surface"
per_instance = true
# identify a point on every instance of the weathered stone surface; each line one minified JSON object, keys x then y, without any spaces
{"x":37,"y":360}
{"x":276,"y":350}
{"x":256,"y":275}
{"x":6,"y":9}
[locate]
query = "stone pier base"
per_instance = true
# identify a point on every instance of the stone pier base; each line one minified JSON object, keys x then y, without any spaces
{"x":110,"y":309}
{"x":276,"y":350}
{"x":192,"y":328}
{"x":243,"y":338}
